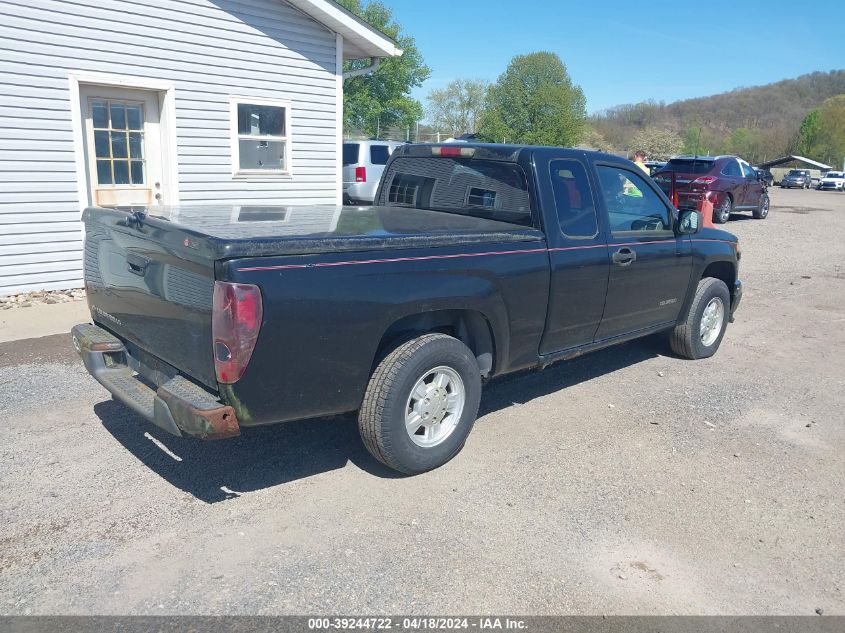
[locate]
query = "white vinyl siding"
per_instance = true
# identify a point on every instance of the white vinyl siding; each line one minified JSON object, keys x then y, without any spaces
{"x":209,"y":50}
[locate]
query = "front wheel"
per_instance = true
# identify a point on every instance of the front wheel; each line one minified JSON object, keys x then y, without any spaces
{"x":722,"y":213}
{"x":701,"y":332}
{"x":421,"y":404}
{"x":762,"y":209}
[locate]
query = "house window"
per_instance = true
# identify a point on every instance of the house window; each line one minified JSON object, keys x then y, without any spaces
{"x":260,"y":136}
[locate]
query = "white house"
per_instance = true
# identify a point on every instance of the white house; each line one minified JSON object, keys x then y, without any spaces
{"x":163,"y":102}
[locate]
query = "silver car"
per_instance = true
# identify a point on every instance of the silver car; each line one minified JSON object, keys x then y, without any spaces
{"x":363,"y":165}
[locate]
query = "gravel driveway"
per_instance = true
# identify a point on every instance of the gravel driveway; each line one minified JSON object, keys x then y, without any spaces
{"x":628,"y":481}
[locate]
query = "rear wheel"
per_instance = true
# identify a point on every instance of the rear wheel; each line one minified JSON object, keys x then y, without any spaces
{"x":701,"y":332}
{"x":421,"y":403}
{"x":762,"y":209}
{"x":722,"y":212}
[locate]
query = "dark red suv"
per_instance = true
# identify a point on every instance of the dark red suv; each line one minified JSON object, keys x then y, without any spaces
{"x":728,"y":182}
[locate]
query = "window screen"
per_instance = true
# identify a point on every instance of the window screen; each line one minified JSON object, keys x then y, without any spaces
{"x":262,"y":137}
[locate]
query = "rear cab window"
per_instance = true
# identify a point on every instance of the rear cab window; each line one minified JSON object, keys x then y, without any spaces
{"x":490,"y":189}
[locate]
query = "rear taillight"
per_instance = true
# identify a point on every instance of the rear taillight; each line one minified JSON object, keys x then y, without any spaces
{"x":235,"y":321}
{"x":704,"y":180}
{"x":360,"y":174}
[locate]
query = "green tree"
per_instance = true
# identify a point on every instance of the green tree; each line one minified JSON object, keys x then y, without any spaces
{"x":535,"y":102}
{"x":746,"y":143}
{"x":808,"y":133}
{"x":382,"y":98}
{"x":830,"y":146}
{"x":657,"y":143}
{"x":457,"y":108}
{"x":593,"y":139}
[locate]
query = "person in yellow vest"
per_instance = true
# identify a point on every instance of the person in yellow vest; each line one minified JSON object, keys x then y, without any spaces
{"x":639,"y":161}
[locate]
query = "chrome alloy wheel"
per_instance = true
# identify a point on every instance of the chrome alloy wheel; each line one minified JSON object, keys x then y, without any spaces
{"x":711,"y":321}
{"x":435,"y":406}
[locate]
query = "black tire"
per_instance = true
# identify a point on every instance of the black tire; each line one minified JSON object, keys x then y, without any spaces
{"x":722,"y":213}
{"x":762,"y":210}
{"x":686,"y":337}
{"x":381,"y":420}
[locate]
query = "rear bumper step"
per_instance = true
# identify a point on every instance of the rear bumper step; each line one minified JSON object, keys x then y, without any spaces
{"x":178,"y":406}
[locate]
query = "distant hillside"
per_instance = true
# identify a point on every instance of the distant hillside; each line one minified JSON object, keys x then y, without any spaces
{"x":759,"y":123}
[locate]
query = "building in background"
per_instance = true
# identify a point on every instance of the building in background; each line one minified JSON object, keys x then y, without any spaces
{"x":163,"y":102}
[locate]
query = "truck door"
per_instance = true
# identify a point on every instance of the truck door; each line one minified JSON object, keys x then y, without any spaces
{"x":649,"y":265}
{"x":578,"y":257}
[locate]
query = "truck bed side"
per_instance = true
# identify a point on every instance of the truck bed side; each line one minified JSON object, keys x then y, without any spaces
{"x":327,"y":317}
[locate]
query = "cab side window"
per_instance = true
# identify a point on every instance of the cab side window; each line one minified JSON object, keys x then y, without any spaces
{"x":633,"y":207}
{"x":576,"y":210}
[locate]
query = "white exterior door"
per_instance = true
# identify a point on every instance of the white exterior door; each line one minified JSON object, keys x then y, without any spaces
{"x":122,"y":146}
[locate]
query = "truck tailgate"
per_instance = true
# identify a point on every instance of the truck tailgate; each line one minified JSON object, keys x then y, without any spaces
{"x":152,"y":286}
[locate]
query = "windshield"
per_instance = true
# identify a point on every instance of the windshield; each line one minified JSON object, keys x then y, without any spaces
{"x":795,"y":172}
{"x":689,"y":165}
{"x":350,"y":153}
{"x":481,"y":188}
{"x":835,"y":174}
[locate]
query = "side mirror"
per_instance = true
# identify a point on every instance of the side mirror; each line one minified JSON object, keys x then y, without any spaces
{"x":689,"y":221}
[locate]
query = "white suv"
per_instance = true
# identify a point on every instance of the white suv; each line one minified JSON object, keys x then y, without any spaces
{"x":363,"y":165}
{"x":833,"y":180}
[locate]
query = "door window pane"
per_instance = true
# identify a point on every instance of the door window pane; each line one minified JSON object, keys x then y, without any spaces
{"x":101,"y":144}
{"x":114,"y":144}
{"x":135,"y":116}
{"x":118,"y":145}
{"x":121,"y":172}
{"x":576,"y":211}
{"x":104,"y":172}
{"x":118,"y":116}
{"x":255,"y":154}
{"x":137,"y":172}
{"x":632,"y":205}
{"x":136,"y":145}
{"x":99,"y":114}
{"x":261,"y":120}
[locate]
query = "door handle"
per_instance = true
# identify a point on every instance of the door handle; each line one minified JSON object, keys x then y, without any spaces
{"x":137,"y":264}
{"x":624,"y":257}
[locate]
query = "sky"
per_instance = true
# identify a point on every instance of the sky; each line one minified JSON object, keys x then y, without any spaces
{"x":627,"y":52}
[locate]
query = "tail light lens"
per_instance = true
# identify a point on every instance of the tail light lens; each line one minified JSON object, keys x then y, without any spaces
{"x":235,"y":322}
{"x":704,"y":180}
{"x":360,"y":174}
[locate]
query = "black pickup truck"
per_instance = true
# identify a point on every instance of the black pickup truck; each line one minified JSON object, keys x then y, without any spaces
{"x":476,"y":261}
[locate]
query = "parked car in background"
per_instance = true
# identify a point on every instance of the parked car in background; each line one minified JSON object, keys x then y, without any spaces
{"x":654,"y":166}
{"x":766,"y":176}
{"x":833,"y":180}
{"x":363,"y":165}
{"x":799,"y":178}
{"x":727,"y":182}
